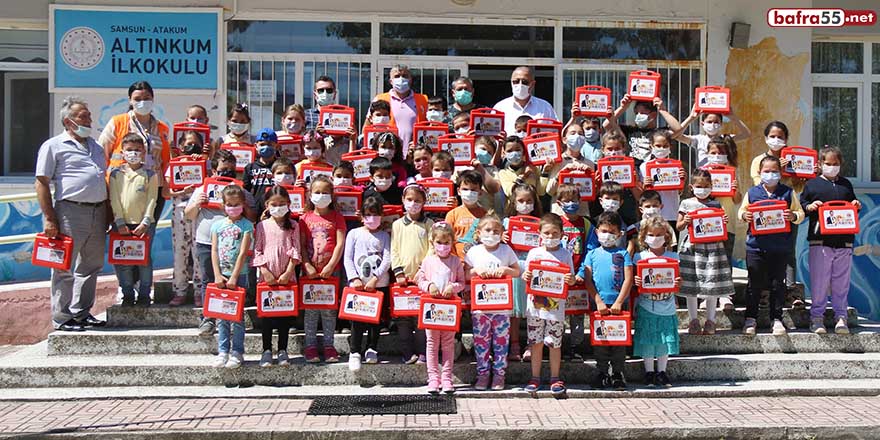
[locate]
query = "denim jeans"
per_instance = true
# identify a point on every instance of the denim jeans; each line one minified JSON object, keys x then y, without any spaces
{"x":203,"y":254}
{"x":224,"y":328}
{"x":142,"y":276}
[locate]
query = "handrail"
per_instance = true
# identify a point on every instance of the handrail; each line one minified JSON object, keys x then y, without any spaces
{"x":9,"y":198}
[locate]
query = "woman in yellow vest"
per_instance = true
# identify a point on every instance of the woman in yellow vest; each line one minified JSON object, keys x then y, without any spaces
{"x":139,"y":119}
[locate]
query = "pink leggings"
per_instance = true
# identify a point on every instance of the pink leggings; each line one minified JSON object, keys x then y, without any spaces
{"x":440,"y":340}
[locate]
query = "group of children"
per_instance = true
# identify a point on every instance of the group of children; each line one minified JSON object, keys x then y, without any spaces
{"x":600,"y":242}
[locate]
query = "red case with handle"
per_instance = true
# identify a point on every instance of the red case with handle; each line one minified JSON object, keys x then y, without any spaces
{"x":348,"y":201}
{"x":491,"y":294}
{"x":336,"y":119}
{"x":611,"y":330}
{"x":525,"y":232}
{"x":585,"y":181}
{"x":593,"y":100}
{"x":297,"y":195}
{"x":658,"y":274}
{"x":544,"y":125}
{"x":54,"y":253}
{"x":543,"y":148}
{"x":439,"y":314}
{"x":405,"y":301}
{"x":461,"y":147}
{"x":244,"y":154}
{"x":802,"y":161}
{"x":723,"y":177}
{"x":225,"y":304}
{"x":360,"y":161}
{"x":768,"y":217}
{"x":213,"y":189}
{"x":439,"y":190}
{"x":290,"y":146}
{"x":427,"y":133}
{"x":374,"y":130}
{"x":548,"y":279}
{"x":838,"y":217}
{"x":662,"y":175}
{"x":361,"y":306}
{"x":185,"y":171}
{"x":644,"y":85}
{"x":277,"y":301}
{"x":128,"y":250}
{"x":487,"y":121}
{"x":620,"y":169}
{"x":707,"y":226}
{"x":712,"y":99}
{"x":318,"y":294}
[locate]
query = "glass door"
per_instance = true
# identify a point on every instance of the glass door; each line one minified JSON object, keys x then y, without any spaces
{"x":25,"y":119}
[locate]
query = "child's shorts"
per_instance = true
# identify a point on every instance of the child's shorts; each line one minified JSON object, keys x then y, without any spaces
{"x":545,"y":331}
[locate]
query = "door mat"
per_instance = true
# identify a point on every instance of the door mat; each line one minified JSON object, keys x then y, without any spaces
{"x":370,"y":405}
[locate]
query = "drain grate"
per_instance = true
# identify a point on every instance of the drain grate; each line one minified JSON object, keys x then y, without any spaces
{"x":369,"y":405}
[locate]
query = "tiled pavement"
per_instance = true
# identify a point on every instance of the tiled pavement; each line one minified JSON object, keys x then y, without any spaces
{"x":677,"y":418}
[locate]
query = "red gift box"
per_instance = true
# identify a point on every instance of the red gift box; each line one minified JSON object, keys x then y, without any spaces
{"x":543,"y":148}
{"x":203,"y":130}
{"x":707,"y":225}
{"x":644,"y":85}
{"x":128,"y":250}
{"x":361,"y":306}
{"x":225,"y":304}
{"x":838,"y":217}
{"x":611,"y":329}
{"x":309,"y":170}
{"x":663,"y":175}
{"x":802,"y":161}
{"x":459,"y":146}
{"x":491,"y":294}
{"x":593,"y":100}
{"x":769,"y":217}
{"x":54,"y":253}
{"x":348,"y":201}
{"x":584,"y":180}
{"x":578,"y":301}
{"x":336,"y":119}
{"x":290,"y":147}
{"x":439,"y":314}
{"x":712,"y":99}
{"x":297,"y":195}
{"x":723,"y":177}
{"x":213,"y":189}
{"x":427,"y":133}
{"x":244,"y":154}
{"x":525,"y":232}
{"x":439,"y":191}
{"x":276,"y":300}
{"x":373,"y":130}
{"x":544,"y":125}
{"x":390,"y":213}
{"x":487,"y":121}
{"x":620,"y":169}
{"x":548,"y":279}
{"x":185,"y":172}
{"x":405,"y":301}
{"x":318,"y":294}
{"x":360,"y":160}
{"x":658,"y":274}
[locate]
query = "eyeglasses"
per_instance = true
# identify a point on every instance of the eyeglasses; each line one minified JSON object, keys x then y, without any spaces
{"x":324,"y":90}
{"x":520,"y":81}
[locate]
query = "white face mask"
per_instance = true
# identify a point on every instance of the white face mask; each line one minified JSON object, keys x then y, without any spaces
{"x":650,"y":211}
{"x":325,"y":98}
{"x":711,"y":128}
{"x":469,"y":197}
{"x":551,"y":243}
{"x":412,"y":207}
{"x":770,"y":178}
{"x":283,"y":179}
{"x":382,"y":184}
{"x":719,"y":159}
{"x":591,"y":134}
{"x":610,"y":205}
{"x":660,"y":153}
{"x":775,"y":144}
{"x":133,"y":157}
{"x":321,"y":200}
{"x":461,"y":130}
{"x":830,"y":170}
{"x":642,"y":120}
{"x":702,"y":193}
{"x":238,"y":128}
{"x":607,"y":239}
{"x":379,"y":120}
{"x":278,"y":211}
{"x":655,"y":241}
{"x":524,"y":208}
{"x":341,"y":181}
{"x":143,"y":108}
{"x":312,"y":153}
{"x":490,"y":240}
{"x":575,"y":141}
{"x":441,"y":174}
{"x":81,"y":130}
{"x":400,"y":84}
{"x":520,"y":91}
{"x":387,"y":153}
{"x":434,"y":115}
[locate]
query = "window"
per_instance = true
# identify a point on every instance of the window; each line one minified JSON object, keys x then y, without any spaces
{"x":298,"y":37}
{"x":623,"y":43}
{"x":24,"y":46}
{"x":25,"y":111}
{"x":467,"y":40}
{"x":846,"y":95}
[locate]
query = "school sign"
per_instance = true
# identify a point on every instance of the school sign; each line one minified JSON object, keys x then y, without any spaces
{"x":93,"y":47}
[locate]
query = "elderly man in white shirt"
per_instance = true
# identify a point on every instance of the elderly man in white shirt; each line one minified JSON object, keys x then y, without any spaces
{"x":522,"y":102}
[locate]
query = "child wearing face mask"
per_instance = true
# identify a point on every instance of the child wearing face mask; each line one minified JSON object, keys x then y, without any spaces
{"x":705,"y":268}
{"x":239,"y":124}
{"x":710,"y":126}
{"x":645,"y":121}
{"x":409,"y":246}
{"x":491,"y":259}
{"x":465,"y":217}
{"x":276,"y":255}
{"x":258,"y":176}
{"x":520,"y":126}
{"x":323,"y":231}
{"x":523,"y":202}
{"x":517,"y":168}
{"x":661,"y":148}
{"x":610,"y":198}
{"x":441,"y":275}
{"x":651,"y":205}
{"x":614,"y":144}
{"x":422,"y":157}
{"x":484,"y":163}
{"x":133,"y":193}
{"x":293,"y":123}
{"x":461,"y":123}
{"x":185,"y":263}
{"x":437,"y":110}
{"x":608,"y":274}
{"x":388,"y":146}
{"x":766,"y":255}
{"x":830,"y":254}
{"x":656,"y":324}
{"x":722,"y":150}
{"x":314,"y":151}
{"x":382,"y":184}
{"x":574,"y":139}
{"x":367,"y":264}
{"x":592,"y":149}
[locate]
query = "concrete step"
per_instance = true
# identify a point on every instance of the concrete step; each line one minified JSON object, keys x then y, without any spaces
{"x":32,"y":368}
{"x":188,"y":317}
{"x":114,"y":341}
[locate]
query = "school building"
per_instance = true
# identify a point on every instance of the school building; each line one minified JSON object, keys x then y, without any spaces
{"x":824,"y":82}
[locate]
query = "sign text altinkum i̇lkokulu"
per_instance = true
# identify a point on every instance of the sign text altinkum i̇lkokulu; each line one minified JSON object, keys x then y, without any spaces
{"x":135,"y":54}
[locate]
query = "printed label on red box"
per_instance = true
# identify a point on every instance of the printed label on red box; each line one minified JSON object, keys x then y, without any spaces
{"x":491,"y":294}
{"x":128,"y":249}
{"x":644,"y":85}
{"x":361,"y":306}
{"x":584,"y":181}
{"x":348,"y":201}
{"x":663,"y":174}
{"x":768,"y":217}
{"x":405,"y":301}
{"x":276,"y":300}
{"x":311,"y":171}
{"x":439,"y":190}
{"x":337,"y":119}
{"x":707,"y":226}
{"x":487,"y":122}
{"x":318,"y":294}
{"x":593,"y":100}
{"x":213,"y":189}
{"x":658,"y":274}
{"x":54,"y":253}
{"x":439,"y":314}
{"x":525,"y":232}
{"x":185,"y":172}
{"x":713,"y":99}
{"x":543,"y":148}
{"x":801,"y":161}
{"x":838,"y":217}
{"x":578,"y":300}
{"x":428,"y":133}
{"x":548,"y":279}
{"x":618,"y":169}
{"x":611,"y":329}
{"x":223,"y":303}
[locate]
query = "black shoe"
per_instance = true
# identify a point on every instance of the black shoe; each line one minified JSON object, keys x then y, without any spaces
{"x":618,"y":382}
{"x":650,"y":379}
{"x":601,"y":381}
{"x":143,"y":302}
{"x":91,"y":321}
{"x":126,"y":302}
{"x":662,"y":380}
{"x":71,"y":326}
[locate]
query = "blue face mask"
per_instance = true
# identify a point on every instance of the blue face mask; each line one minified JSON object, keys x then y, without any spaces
{"x":266,"y":151}
{"x":514,"y":157}
{"x":483,"y":156}
{"x":571,"y":207}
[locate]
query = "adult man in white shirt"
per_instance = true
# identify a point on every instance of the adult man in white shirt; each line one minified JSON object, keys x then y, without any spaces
{"x":522,"y":102}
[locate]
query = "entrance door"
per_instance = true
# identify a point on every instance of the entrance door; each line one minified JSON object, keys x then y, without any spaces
{"x":492,"y":83}
{"x":430,"y":78}
{"x":25,"y":118}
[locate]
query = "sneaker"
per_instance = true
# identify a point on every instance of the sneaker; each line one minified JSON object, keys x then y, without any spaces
{"x":694,"y":327}
{"x":354,"y":361}
{"x":266,"y":359}
{"x":330,"y":355}
{"x":346,"y":331}
{"x":558,"y":389}
{"x":618,"y":382}
{"x":601,"y":381}
{"x":709,"y":328}
{"x":422,"y":359}
{"x":178,"y":300}
{"x":841,"y":328}
{"x":448,"y":388}
{"x":650,"y":379}
{"x":206,"y":327}
{"x":533,"y":386}
{"x":371,"y":357}
{"x":311,"y":354}
{"x":527,"y":355}
{"x":724,"y":303}
{"x":482,"y":383}
{"x":235,"y":360}
{"x":779,"y":328}
{"x":220,"y":360}
{"x":662,"y":380}
{"x":750,"y":327}
{"x":412,"y":359}
{"x":433,"y":387}
{"x":817,"y":326}
{"x":498,"y":382}
{"x":283,"y":358}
